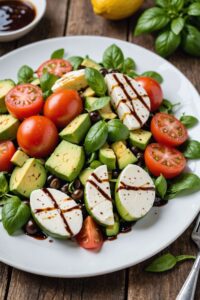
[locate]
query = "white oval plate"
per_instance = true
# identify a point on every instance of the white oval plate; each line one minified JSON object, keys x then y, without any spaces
{"x":151,"y":234}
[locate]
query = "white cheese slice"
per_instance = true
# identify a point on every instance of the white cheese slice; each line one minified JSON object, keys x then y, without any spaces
{"x":56,"y":213}
{"x":98,"y":196}
{"x":135,"y":193}
{"x":129,"y":99}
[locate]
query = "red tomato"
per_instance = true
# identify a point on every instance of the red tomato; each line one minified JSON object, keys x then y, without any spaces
{"x":164,"y":160}
{"x":37,"y":136}
{"x":63,"y":106}
{"x":90,"y":236}
{"x":7,"y":149}
{"x":56,"y":66}
{"x":153,"y":89}
{"x":166,"y":129}
{"x":24,"y":100}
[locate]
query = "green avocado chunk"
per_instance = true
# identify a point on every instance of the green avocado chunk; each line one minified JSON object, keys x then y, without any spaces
{"x":123,"y":154}
{"x":66,"y":161}
{"x":88,"y":92}
{"x":29,"y":177}
{"x":76,"y":130}
{"x":107,"y":157}
{"x":106,"y":112}
{"x":8,"y":127}
{"x":5,"y":86}
{"x":19,"y":158}
{"x":140,"y":138}
{"x":89,"y":63}
{"x":84,"y":175}
{"x":114,"y":229}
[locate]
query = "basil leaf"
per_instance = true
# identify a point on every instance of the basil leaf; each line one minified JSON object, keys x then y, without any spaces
{"x":92,"y":157}
{"x":154,"y":18}
{"x":129,"y":65}
{"x":184,"y":257}
{"x":58,"y":53}
{"x":3,"y":184}
{"x":166,"y":43}
{"x":166,"y":106}
{"x":154,"y":75}
{"x":185,"y":183}
{"x":47,"y":80}
{"x":25,"y":74}
{"x":113,"y":57}
{"x":189,"y":121}
{"x":96,"y":81}
{"x":177,"y":25}
{"x":163,"y":3}
{"x":75,"y":61}
{"x":192,"y":149}
{"x":177,"y":4}
{"x":191,"y":41}
{"x":99,"y":103}
{"x":161,"y":186}
{"x":132,"y":74}
{"x":96,"y":137}
{"x":163,"y":263}
{"x":117,"y":131}
{"x":194,"y":9}
{"x":15,"y":214}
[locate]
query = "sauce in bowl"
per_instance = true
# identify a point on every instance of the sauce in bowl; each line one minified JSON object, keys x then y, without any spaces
{"x":15,"y":14}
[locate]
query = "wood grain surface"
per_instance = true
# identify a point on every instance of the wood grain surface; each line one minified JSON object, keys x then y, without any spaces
{"x":65,"y":17}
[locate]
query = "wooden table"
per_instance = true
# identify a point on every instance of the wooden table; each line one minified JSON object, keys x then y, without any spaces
{"x":75,"y":17}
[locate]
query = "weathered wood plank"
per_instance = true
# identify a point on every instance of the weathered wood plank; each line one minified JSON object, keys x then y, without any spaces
{"x":5,"y":275}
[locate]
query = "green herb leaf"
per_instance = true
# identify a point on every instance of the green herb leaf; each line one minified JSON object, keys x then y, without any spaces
{"x":117,"y":131}
{"x":184,"y":257}
{"x":161,"y":186}
{"x":96,"y":81}
{"x":99,"y":103}
{"x":177,"y":4}
{"x":177,"y":25}
{"x":194,"y":9}
{"x":189,"y":121}
{"x":166,"y":43}
{"x":75,"y":61}
{"x":191,"y":40}
{"x":154,"y":75}
{"x":163,"y":3}
{"x":129,"y":65}
{"x":58,"y":53}
{"x":192,"y":149}
{"x":47,"y":80}
{"x":152,"y":19}
{"x":96,"y":137}
{"x":92,"y":157}
{"x":184,"y":184}
{"x":3,"y":184}
{"x":113,"y":57}
{"x":166,"y":106}
{"x":163,"y":263}
{"x":15,"y":214}
{"x":25,"y":74}
{"x":132,"y":74}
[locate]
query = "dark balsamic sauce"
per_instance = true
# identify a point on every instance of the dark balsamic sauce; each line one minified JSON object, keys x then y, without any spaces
{"x":134,"y":188}
{"x":15,"y":14}
{"x":38,"y":235}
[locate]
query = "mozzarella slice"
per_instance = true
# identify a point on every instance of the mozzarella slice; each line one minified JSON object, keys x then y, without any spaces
{"x":135,"y":193}
{"x":74,"y":80}
{"x":56,"y":213}
{"x":98,"y":196}
{"x":129,"y":99}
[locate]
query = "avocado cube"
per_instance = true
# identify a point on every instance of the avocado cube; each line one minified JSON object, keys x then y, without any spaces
{"x":107,"y":157}
{"x":88,"y":92}
{"x":89,"y":63}
{"x":29,"y":177}
{"x":19,"y":158}
{"x":140,"y":138}
{"x":66,"y":161}
{"x":5,"y":86}
{"x":84,"y":175}
{"x":8,"y":127}
{"x":77,"y":129}
{"x":123,"y":154}
{"x":106,"y":112}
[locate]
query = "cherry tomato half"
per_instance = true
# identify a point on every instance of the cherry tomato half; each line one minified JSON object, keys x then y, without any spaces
{"x":37,"y":136}
{"x":56,"y":66}
{"x":164,"y":160}
{"x":168,"y":130}
{"x":24,"y":100}
{"x":153,"y":89}
{"x":7,"y":149}
{"x":63,"y":106}
{"x":90,"y":236}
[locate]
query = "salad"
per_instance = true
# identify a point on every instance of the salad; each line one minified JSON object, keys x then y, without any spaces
{"x":88,"y":148}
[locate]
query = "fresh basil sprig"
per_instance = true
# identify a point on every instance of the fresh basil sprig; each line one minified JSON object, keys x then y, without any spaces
{"x":161,"y":186}
{"x":25,"y":74}
{"x":3,"y":184}
{"x":177,"y":23}
{"x":96,"y":137}
{"x":167,"y":262}
{"x":47,"y":80}
{"x":189,"y":121}
{"x":96,"y":81}
{"x":59,"y":53}
{"x":117,"y":131}
{"x":75,"y":61}
{"x":99,"y":103}
{"x":128,"y":65}
{"x":192,"y":149}
{"x":167,"y":106}
{"x":113,"y":57}
{"x":154,"y":75}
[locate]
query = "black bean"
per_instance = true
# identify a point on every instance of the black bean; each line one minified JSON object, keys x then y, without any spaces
{"x":31,"y":227}
{"x":77,"y":184}
{"x":104,"y":71}
{"x":115,"y":174}
{"x":159,"y":202}
{"x":55,"y":184}
{"x":95,"y":116}
{"x":77,"y":194}
{"x":135,"y":150}
{"x":64,"y":188}
{"x":50,"y":178}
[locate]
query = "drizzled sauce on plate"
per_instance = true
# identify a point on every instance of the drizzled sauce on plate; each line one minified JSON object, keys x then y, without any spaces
{"x":15,"y":14}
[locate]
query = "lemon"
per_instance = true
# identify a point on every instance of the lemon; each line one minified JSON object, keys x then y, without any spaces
{"x":115,"y":9}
